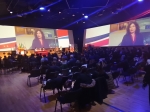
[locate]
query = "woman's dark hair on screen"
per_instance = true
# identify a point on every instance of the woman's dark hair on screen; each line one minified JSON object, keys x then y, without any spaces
{"x":35,"y":34}
{"x":137,"y":28}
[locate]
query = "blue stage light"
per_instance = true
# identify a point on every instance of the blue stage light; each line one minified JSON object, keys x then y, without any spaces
{"x":42,"y":8}
{"x":140,"y":0}
{"x":86,"y":17}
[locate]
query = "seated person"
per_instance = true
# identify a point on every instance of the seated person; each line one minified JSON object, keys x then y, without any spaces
{"x":146,"y":80}
{"x":72,"y":61}
{"x":99,"y":72}
{"x":91,"y":63}
{"x":55,"y":59}
{"x":78,"y":64}
{"x":114,"y":67}
{"x":63,"y":61}
{"x":84,"y":77}
{"x":43,"y":69}
{"x":110,"y":81}
{"x":44,"y":59}
{"x":54,"y":67}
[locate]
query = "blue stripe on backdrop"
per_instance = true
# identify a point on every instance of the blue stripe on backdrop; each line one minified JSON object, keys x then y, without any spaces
{"x":119,"y":110}
{"x":63,"y":37}
{"x":3,"y":40}
{"x":88,"y":40}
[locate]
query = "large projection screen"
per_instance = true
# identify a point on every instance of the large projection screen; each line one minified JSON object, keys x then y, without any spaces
{"x":128,"y":33}
{"x":13,"y":37}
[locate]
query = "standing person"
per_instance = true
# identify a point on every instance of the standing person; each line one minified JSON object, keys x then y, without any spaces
{"x":132,"y":36}
{"x":39,"y":40}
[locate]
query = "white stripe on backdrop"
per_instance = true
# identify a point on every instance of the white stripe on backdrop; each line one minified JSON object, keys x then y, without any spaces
{"x":7,"y":31}
{"x":97,"y":31}
{"x":7,"y":43}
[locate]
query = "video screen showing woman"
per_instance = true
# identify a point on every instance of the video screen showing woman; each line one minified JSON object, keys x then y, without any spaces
{"x":32,"y":38}
{"x":130,"y":33}
{"x":132,"y":36}
{"x":39,"y":40}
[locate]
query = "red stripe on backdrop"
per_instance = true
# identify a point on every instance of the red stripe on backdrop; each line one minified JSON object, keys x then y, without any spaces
{"x":9,"y":45}
{"x":101,"y":43}
{"x":61,"y":33}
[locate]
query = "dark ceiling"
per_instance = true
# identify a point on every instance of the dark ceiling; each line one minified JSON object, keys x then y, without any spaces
{"x":69,"y":14}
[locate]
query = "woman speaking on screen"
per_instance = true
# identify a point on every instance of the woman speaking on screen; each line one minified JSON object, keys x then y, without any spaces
{"x":39,"y":40}
{"x":133,"y":36}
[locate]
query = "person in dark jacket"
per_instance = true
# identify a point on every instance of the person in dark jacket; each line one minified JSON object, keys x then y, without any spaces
{"x":133,"y":36}
{"x":72,"y":61}
{"x":146,"y":80}
{"x":84,"y":77}
{"x":54,"y":67}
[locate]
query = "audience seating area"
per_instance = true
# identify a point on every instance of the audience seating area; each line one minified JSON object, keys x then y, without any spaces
{"x":80,"y":80}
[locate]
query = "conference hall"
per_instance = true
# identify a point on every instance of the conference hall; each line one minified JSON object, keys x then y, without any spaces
{"x":74,"y":55}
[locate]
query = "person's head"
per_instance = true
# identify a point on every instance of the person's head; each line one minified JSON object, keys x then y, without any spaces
{"x":84,"y":69}
{"x":54,"y":58}
{"x":133,"y":27}
{"x":39,"y":34}
{"x":78,"y":61}
{"x":54,"y":63}
{"x":99,"y":67}
{"x":44,"y":56}
{"x":71,"y":56}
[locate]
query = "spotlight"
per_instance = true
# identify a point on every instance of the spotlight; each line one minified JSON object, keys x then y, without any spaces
{"x":11,"y":12}
{"x":85,"y":17}
{"x":83,"y":22}
{"x":48,"y":10}
{"x":140,"y":0}
{"x":59,"y":12}
{"x":73,"y":15}
{"x":83,"y":14}
{"x":42,"y":8}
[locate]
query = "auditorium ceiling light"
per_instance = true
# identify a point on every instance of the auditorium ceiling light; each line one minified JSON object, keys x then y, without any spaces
{"x":140,"y":0}
{"x":10,"y":12}
{"x":86,"y":17}
{"x":73,"y":15}
{"x":59,"y":12}
{"x":83,"y":14}
{"x":42,"y":8}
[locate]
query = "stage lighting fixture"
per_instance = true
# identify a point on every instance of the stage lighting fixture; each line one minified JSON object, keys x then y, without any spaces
{"x":83,"y":22}
{"x":85,"y":17}
{"x":48,"y":10}
{"x":83,"y":14}
{"x":42,"y":8}
{"x":73,"y":15}
{"x":59,"y":12}
{"x":140,"y":0}
{"x":11,"y":12}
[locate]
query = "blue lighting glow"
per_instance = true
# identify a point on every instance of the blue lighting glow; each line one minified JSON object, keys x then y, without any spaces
{"x":86,"y":17}
{"x":42,"y":8}
{"x":29,"y":12}
{"x":140,"y":0}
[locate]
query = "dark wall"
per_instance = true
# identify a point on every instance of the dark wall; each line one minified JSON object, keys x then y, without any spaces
{"x":78,"y":35}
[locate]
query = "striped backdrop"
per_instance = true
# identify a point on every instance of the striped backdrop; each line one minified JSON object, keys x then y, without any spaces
{"x":63,"y":38}
{"x":6,"y":44}
{"x":98,"y":36}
